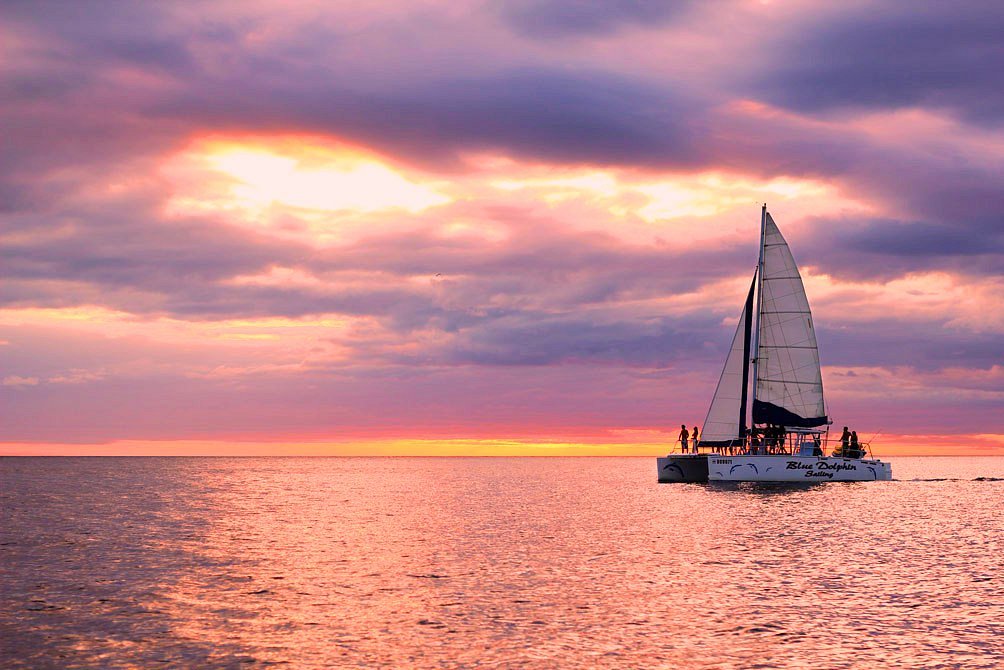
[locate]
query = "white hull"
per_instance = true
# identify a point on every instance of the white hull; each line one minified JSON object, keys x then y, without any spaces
{"x":784,"y":468}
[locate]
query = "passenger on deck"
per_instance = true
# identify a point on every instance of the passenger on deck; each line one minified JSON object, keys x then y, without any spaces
{"x":855,"y":450}
{"x":696,"y":439}
{"x":777,"y":432}
{"x":684,"y":435}
{"x":845,"y":437}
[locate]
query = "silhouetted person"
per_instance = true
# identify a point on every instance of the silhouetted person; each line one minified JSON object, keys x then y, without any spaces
{"x":695,"y":437}
{"x":845,"y":437}
{"x":855,"y":447}
{"x":771,"y":434}
{"x":683,"y":437}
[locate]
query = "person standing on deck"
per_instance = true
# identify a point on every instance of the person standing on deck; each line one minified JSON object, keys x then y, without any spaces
{"x":855,"y":451}
{"x":845,"y":437}
{"x":695,"y":438}
{"x":683,"y":437}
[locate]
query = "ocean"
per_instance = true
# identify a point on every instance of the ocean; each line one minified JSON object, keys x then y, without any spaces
{"x":493,"y":562}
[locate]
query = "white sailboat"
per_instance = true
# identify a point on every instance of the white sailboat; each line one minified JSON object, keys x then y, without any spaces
{"x":785,"y":439}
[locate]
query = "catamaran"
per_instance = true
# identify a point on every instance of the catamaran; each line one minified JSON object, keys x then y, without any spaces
{"x":787,"y":435}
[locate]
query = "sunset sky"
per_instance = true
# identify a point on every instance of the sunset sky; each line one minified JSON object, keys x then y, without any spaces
{"x":258,"y":227}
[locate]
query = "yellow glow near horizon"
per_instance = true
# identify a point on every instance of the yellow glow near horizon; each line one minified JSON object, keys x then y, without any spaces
{"x":981,"y":444}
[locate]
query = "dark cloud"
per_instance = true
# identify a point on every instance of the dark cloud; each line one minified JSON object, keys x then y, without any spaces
{"x":545,"y":19}
{"x":897,"y":238}
{"x":546,"y":339}
{"x":886,"y":56}
{"x":91,"y":34}
{"x":130,"y":247}
{"x":532,"y":112}
{"x":123,"y":67}
{"x":882,"y":249}
{"x":921,"y":344}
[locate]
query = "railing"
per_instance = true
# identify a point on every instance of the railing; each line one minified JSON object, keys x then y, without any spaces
{"x":788,"y":443}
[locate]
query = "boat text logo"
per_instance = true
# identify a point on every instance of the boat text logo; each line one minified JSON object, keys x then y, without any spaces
{"x":821,"y":468}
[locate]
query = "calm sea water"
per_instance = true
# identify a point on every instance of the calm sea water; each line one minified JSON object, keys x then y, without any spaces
{"x":481,"y":562}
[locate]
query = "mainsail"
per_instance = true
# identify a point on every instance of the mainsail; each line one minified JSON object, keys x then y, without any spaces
{"x":789,"y":388}
{"x":725,"y":424}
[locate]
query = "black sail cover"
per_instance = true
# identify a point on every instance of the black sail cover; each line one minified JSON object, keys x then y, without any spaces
{"x":789,"y":386}
{"x":725,"y":424}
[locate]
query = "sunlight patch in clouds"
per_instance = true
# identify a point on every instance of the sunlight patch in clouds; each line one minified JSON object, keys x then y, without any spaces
{"x":711,"y":194}
{"x":263,"y":180}
{"x":673,"y":206}
{"x":361,"y":185}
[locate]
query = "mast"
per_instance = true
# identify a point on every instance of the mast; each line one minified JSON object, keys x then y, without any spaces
{"x":759,"y":300}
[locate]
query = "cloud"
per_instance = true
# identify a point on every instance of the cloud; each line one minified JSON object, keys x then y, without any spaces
{"x":535,"y":339}
{"x":891,"y":56}
{"x":14,"y":380}
{"x":575,"y":18}
{"x":568,"y":222}
{"x":865,"y":248}
{"x":546,"y":113}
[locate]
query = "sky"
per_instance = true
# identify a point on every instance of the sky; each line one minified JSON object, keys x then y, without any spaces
{"x":439,"y":228}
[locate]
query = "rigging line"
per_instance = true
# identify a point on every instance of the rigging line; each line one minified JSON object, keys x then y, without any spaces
{"x":787,"y":381}
{"x":785,"y":346}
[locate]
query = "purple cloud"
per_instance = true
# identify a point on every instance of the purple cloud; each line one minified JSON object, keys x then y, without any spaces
{"x":931,"y":54}
{"x":543,"y":19}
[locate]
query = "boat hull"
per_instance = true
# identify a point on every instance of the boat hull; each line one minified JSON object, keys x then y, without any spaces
{"x":785,"y":468}
{"x":686,"y":468}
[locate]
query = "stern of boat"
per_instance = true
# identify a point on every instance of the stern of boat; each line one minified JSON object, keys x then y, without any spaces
{"x":685,"y":468}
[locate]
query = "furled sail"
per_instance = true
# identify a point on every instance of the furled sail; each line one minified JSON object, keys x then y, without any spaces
{"x":725,"y":424}
{"x":789,"y":387}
